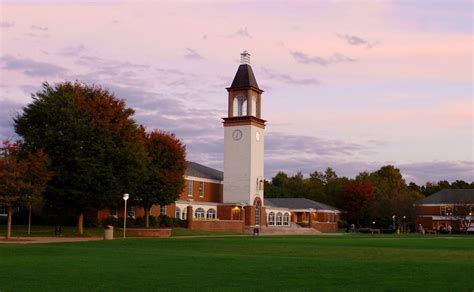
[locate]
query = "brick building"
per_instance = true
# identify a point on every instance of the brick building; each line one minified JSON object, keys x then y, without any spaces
{"x":448,"y":207}
{"x":233,"y":200}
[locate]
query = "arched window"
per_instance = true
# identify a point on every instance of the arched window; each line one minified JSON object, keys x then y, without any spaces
{"x":211,"y":214}
{"x":199,"y":213}
{"x":271,"y":219}
{"x":278,"y":219}
{"x":286,"y":219}
{"x":236,"y":213}
{"x":254,"y":106}
{"x":177,"y":213}
{"x":239,"y":106}
{"x":162,"y":210}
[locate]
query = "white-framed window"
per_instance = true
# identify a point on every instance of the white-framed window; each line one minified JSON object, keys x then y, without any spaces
{"x":278,"y":219}
{"x":177,"y":213}
{"x":162,"y":210}
{"x":131,"y":211}
{"x":201,"y":189}
{"x":199,"y":213}
{"x":3,"y":210}
{"x":286,"y":219}
{"x":190,"y":188}
{"x":113,"y":211}
{"x":184,"y":214}
{"x":271,"y":219}
{"x":211,"y":214}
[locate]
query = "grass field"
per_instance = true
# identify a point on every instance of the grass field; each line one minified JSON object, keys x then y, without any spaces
{"x":347,"y":262}
{"x":70,"y":231}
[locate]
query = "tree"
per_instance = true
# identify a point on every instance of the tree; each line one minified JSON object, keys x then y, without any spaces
{"x":96,"y":149}
{"x":165,"y":171}
{"x":357,"y":199}
{"x":23,"y":178}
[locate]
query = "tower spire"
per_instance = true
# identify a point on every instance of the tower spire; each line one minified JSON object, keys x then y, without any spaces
{"x":245,"y":58}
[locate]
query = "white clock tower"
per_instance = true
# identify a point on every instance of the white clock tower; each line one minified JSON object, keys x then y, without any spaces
{"x":244,"y":140}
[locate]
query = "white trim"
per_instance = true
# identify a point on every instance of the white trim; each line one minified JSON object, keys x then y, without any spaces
{"x":194,"y":178}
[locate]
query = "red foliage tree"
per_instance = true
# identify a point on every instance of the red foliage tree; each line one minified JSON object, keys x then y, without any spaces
{"x":357,"y":200}
{"x":23,"y":178}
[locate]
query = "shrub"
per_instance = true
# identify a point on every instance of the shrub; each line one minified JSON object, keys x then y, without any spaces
{"x":165,"y":221}
{"x":342,"y":224}
{"x":153,"y":221}
{"x":111,"y":220}
{"x":140,"y":222}
{"x":91,"y":222}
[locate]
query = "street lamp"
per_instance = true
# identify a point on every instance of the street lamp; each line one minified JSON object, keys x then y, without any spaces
{"x":404,"y":224}
{"x":393,"y":218}
{"x":125,"y":198}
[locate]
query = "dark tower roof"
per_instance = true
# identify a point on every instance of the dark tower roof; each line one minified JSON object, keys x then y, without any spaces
{"x":244,"y":78}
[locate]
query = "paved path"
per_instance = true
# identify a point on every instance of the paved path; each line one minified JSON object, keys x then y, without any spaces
{"x":29,"y":240}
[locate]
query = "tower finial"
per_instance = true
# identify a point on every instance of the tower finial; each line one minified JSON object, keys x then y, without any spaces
{"x":245,"y":58}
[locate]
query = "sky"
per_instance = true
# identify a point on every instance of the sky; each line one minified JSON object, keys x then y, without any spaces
{"x":352,"y":85}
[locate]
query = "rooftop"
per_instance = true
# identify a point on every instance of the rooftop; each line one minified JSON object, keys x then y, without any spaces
{"x":449,"y":196}
{"x":201,"y":171}
{"x":297,"y":203}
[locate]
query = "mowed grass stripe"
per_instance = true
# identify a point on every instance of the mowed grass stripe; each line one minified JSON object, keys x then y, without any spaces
{"x":242,"y":263}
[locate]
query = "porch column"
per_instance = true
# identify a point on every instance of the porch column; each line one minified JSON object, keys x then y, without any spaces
{"x":190,"y":218}
{"x":310,"y":221}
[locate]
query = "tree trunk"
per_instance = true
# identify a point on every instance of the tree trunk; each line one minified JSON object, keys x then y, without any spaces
{"x":80,"y":224}
{"x":147,"y":216}
{"x":9,"y":222}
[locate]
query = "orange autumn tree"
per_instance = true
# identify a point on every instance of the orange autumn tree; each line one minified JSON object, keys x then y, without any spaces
{"x":164,"y":179}
{"x":23,"y":178}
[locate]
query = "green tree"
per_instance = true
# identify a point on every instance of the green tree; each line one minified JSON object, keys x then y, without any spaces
{"x":94,"y":145}
{"x":165,"y":171}
{"x":23,"y":178}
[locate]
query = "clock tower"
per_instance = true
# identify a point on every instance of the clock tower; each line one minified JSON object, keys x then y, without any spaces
{"x":244,"y":140}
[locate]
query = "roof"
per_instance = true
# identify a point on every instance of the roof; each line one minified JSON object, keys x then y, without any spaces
{"x":449,"y":196}
{"x":244,"y":78}
{"x":201,"y":171}
{"x":297,"y":203}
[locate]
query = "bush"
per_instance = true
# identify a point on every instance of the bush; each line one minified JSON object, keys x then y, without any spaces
{"x":165,"y":221}
{"x":153,"y":221}
{"x":140,"y":222}
{"x":111,"y":220}
{"x":342,"y":224}
{"x":91,"y":222}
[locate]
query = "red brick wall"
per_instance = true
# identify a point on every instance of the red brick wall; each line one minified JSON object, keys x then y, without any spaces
{"x":325,"y":226}
{"x":219,"y":225}
{"x":429,"y":210}
{"x":212,"y":192}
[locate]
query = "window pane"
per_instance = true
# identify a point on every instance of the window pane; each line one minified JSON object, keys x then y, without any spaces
{"x":190,"y":188}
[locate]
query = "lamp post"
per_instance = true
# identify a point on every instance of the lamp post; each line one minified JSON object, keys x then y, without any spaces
{"x":394,"y":226}
{"x":125,"y":198}
{"x":404,"y":224}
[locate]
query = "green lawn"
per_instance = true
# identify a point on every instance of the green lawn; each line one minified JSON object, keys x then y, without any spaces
{"x":350,"y":263}
{"x":46,"y":231}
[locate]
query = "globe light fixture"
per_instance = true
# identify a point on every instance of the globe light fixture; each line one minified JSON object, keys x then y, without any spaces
{"x":125,"y":198}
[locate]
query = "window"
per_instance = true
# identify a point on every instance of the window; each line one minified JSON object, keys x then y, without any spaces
{"x":257,"y":214}
{"x":184,"y":214}
{"x":201,"y":189}
{"x":131,"y":211}
{"x":162,"y":210}
{"x":278,"y":219}
{"x":190,"y":188}
{"x":113,"y":211}
{"x":271,"y":219}
{"x":199,"y":213}
{"x":3,"y":210}
{"x":211,"y":214}
{"x":239,"y":106}
{"x":177,"y":213}
{"x":286,"y":219}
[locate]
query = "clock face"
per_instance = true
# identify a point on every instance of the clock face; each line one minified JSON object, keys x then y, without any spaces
{"x":257,"y":136}
{"x":237,"y":135}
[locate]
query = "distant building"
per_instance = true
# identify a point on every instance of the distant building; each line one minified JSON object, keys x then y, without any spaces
{"x":233,"y":200}
{"x":448,"y":207}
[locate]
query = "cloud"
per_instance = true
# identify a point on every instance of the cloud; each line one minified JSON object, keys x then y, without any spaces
{"x":73,"y":50}
{"x":286,"y":78}
{"x":30,"y":67}
{"x":241,"y":33}
{"x":40,"y":28}
{"x":7,"y":24}
{"x":422,"y":172}
{"x":334,"y":59}
{"x":357,"y":41}
{"x":192,"y":55}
